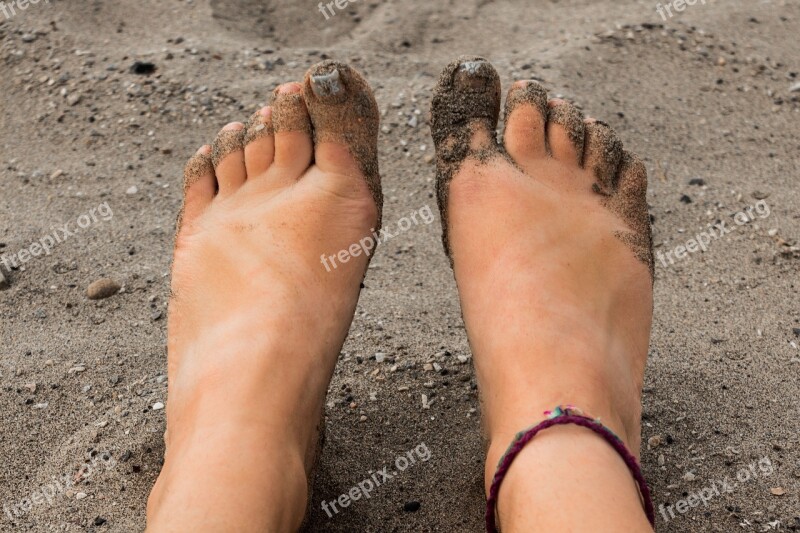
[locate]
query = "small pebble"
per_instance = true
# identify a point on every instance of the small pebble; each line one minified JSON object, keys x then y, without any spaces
{"x":102,"y":288}
{"x":158,"y":406}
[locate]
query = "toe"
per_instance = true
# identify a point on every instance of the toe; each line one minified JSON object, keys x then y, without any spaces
{"x":259,"y":143}
{"x":602,"y":154}
{"x":199,"y":186}
{"x":525,"y":119}
{"x":228,"y":157}
{"x":565,"y":132}
{"x":629,"y":202}
{"x":465,"y":109}
{"x":293,"y":145}
{"x":345,"y":119}
{"x":464,"y":114}
{"x":632,"y":189}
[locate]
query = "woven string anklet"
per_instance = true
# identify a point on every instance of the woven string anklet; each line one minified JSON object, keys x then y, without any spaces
{"x":562,"y":415}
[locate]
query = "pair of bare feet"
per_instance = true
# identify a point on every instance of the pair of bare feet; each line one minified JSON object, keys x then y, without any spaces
{"x":549,"y":237}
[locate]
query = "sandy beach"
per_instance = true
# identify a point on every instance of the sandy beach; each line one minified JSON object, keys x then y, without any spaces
{"x":102,"y":103}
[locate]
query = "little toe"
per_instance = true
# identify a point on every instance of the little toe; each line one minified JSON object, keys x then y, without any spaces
{"x":629,"y":202}
{"x":199,"y":186}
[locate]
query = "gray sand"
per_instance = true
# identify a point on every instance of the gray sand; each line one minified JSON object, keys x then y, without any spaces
{"x":703,"y":98}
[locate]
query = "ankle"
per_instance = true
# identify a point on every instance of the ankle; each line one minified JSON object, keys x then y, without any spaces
{"x":519,"y":414}
{"x":569,"y":478}
{"x":226,"y":473}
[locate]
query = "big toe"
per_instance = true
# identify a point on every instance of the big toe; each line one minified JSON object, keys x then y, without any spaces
{"x":465,"y":109}
{"x":345,"y":121}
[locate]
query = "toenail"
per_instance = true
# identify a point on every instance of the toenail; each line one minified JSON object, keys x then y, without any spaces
{"x":260,"y":125}
{"x":328,"y":84}
{"x":233,"y":126}
{"x":472,"y":67}
{"x":556,"y":102}
{"x":204,"y":150}
{"x":474,"y":74}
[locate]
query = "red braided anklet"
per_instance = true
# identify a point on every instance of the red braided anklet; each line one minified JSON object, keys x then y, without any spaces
{"x":560,"y":416}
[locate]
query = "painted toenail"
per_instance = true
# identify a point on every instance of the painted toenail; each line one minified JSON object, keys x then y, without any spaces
{"x":472,"y":67}
{"x":326,"y":84}
{"x":476,"y":75}
{"x":265,"y":112}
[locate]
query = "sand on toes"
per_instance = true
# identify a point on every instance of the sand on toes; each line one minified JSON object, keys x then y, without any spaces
{"x":550,"y":239}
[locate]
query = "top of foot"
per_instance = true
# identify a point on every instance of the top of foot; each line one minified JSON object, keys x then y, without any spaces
{"x":265,"y":283}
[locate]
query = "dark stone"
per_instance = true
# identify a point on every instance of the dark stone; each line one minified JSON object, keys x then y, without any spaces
{"x":143,"y":68}
{"x":412,"y":507}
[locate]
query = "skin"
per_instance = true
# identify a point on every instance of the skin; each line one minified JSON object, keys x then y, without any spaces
{"x":557,"y":309}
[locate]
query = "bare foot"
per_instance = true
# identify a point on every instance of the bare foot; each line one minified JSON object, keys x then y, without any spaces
{"x":257,"y":320}
{"x":550,"y":240}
